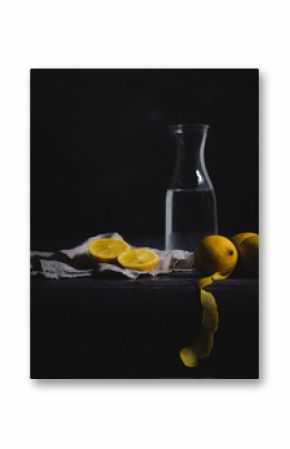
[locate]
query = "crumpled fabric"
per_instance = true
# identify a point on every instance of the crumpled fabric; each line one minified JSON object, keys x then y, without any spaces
{"x":75,"y":262}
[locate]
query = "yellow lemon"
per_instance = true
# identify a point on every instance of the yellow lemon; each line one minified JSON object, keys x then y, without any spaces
{"x":239,"y":238}
{"x":142,"y":259}
{"x":107,"y":250}
{"x":249,"y":254}
{"x":248,"y":250}
{"x":216,"y":254}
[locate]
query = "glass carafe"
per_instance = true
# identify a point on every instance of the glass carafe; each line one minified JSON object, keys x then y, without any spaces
{"x":191,"y":211}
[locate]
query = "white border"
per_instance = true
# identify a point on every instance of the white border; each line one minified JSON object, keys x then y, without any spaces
{"x":140,"y":414}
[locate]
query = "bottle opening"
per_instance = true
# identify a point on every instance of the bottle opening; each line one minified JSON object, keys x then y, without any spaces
{"x":188,"y":127}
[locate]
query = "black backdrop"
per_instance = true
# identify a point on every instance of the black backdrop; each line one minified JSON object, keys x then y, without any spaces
{"x":102,"y":155}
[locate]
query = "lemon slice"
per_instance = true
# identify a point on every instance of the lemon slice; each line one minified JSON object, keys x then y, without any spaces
{"x":107,"y":250}
{"x":141,"y":259}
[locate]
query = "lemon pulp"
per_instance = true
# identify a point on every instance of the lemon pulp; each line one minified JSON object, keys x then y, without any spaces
{"x":141,"y":259}
{"x":107,"y":250}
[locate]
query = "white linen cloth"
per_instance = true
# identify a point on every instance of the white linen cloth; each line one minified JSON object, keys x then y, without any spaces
{"x":75,"y":262}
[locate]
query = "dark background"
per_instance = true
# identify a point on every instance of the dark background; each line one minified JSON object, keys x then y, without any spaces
{"x":102,"y":156}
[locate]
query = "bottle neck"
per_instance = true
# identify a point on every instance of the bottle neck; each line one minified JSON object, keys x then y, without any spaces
{"x":190,"y":170}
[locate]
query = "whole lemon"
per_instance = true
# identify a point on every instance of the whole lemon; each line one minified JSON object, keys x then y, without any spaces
{"x":215,"y":253}
{"x":239,"y":238}
{"x":249,"y":254}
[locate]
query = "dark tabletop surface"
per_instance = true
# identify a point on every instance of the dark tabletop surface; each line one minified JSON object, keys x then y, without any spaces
{"x":111,"y":327}
{"x":179,"y":279}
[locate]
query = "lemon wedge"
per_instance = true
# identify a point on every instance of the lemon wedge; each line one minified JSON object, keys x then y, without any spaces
{"x":107,"y":250}
{"x":141,"y":259}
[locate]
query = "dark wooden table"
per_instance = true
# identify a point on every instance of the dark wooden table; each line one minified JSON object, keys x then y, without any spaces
{"x":111,"y":327}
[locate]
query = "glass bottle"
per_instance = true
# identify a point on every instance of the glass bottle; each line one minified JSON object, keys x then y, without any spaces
{"x":191,"y":211}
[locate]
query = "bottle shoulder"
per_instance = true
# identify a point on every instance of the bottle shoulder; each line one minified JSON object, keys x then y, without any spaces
{"x":197,"y":179}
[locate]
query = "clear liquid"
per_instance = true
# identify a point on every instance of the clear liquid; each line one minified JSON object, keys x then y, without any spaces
{"x":190,"y":215}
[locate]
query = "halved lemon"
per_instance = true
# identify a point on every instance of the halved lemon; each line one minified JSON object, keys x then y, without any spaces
{"x":107,"y":250}
{"x":141,"y":259}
